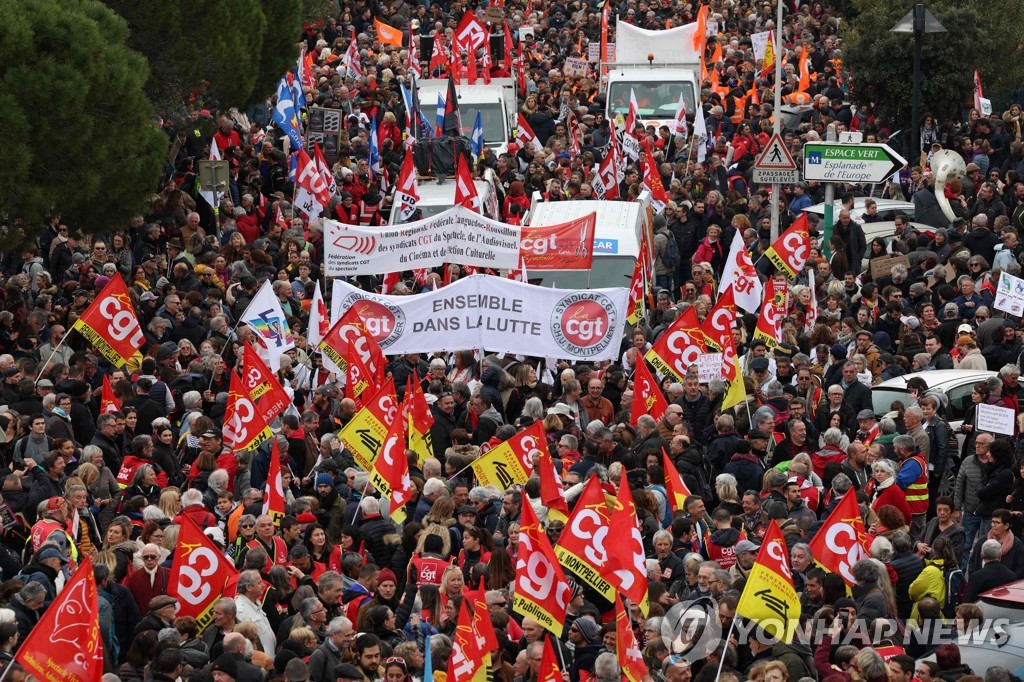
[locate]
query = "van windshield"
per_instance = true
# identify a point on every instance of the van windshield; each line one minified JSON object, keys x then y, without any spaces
{"x":656,"y":99}
{"x":491,"y":118}
{"x":607,"y":271}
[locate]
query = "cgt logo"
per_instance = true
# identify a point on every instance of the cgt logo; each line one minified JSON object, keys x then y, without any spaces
{"x":356,"y":244}
{"x":583,"y":323}
{"x":384,"y":321}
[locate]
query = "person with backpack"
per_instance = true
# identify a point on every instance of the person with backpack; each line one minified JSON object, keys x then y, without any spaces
{"x":932,"y":581}
{"x":666,"y":252}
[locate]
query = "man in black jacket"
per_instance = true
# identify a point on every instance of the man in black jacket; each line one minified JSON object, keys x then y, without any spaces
{"x":443,"y":412}
{"x":696,"y":408}
{"x":993,"y":572}
{"x":855,"y":394}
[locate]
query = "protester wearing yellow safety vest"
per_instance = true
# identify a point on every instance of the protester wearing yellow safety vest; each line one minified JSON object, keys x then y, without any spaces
{"x":912,"y":477}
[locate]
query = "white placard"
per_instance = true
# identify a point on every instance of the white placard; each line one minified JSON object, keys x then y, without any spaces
{"x":493,"y":313}
{"x":458,"y":235}
{"x":1010,"y":295}
{"x":574,"y":66}
{"x":709,"y":367}
{"x":759,"y":41}
{"x":995,"y":419}
{"x":594,"y":51}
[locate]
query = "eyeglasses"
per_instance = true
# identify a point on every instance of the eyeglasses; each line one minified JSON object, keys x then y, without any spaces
{"x":247,"y":525}
{"x":150,"y":556}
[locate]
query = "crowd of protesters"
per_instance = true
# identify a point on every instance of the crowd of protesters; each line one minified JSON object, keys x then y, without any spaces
{"x":337,"y":591}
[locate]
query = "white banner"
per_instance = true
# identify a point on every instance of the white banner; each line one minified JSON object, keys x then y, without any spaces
{"x":457,"y":235}
{"x":995,"y":419}
{"x":495,"y":314}
{"x":1010,"y":295}
{"x":671,"y":46}
{"x":709,"y":367}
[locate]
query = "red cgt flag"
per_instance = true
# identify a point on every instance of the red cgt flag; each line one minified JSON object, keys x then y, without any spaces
{"x":349,"y":334}
{"x":790,"y":251}
{"x":552,"y":495}
{"x":647,"y":396}
{"x":111,"y":324}
{"x":245,"y":427}
{"x":581,"y":546}
{"x":466,"y":662}
{"x":679,"y":347}
{"x":541,"y":590}
{"x":273,"y":500}
{"x":465,"y":189}
{"x":199,"y":574}
{"x":842,"y":542}
{"x":626,"y":567}
{"x":65,"y":644}
{"x":674,"y":484}
{"x":549,"y":670}
{"x":263,"y":388}
{"x":626,"y":649}
{"x":108,"y":401}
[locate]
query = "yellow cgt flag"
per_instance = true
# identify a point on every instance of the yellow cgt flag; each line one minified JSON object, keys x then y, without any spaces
{"x":769,"y":598}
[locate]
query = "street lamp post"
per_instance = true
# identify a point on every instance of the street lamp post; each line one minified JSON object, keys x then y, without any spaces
{"x":917,"y":21}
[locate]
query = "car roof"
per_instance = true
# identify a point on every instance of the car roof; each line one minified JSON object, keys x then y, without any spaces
{"x":939,"y":378}
{"x":858,"y":205}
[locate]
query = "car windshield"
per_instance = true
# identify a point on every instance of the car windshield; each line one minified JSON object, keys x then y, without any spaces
{"x":883,"y":398}
{"x":655,"y":99}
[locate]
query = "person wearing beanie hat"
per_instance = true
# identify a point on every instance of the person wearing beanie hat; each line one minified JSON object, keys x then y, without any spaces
{"x":585,"y":635}
{"x":387,"y":588}
{"x":333,"y":507}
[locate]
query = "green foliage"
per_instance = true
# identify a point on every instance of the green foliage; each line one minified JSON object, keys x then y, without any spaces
{"x":81,"y":138}
{"x":980,"y":35}
{"x":280,"y":45}
{"x":316,"y":10}
{"x":208,"y":49}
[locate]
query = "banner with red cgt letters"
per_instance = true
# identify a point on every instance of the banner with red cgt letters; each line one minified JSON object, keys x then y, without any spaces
{"x":566,"y":246}
{"x":493,"y":313}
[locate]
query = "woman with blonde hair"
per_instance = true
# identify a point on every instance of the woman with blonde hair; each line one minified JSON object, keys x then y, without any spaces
{"x":170,"y":502}
{"x":453,"y":583}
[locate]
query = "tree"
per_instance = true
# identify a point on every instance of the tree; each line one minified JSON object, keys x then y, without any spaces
{"x":980,"y":35}
{"x":280,"y":45}
{"x":81,"y":137}
{"x":229,"y":53}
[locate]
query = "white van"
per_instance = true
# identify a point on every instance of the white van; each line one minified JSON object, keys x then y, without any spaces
{"x":435,"y":198}
{"x":617,"y":238}
{"x":496,"y":103}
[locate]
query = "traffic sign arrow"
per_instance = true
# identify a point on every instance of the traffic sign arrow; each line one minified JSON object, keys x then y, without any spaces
{"x":833,"y":162}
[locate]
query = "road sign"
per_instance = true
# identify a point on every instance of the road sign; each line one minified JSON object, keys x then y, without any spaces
{"x":832,"y":162}
{"x":776,"y":164}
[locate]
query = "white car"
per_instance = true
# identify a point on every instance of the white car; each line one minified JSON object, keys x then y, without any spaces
{"x":956,"y":384}
{"x":885,"y":228}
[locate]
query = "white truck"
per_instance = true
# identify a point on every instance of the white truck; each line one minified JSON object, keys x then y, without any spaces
{"x":495,"y":101}
{"x":435,"y":198}
{"x":656,"y":66}
{"x":618,"y":235}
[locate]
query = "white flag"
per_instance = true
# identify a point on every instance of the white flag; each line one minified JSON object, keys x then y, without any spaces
{"x":682,"y":130}
{"x":700,"y":135}
{"x":266,"y":319}
{"x":812,"y":308}
{"x":407,"y":194}
{"x":740,"y":273}
{"x":213,"y":197}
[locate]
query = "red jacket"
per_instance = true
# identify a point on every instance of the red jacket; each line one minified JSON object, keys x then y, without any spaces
{"x":198,"y":513}
{"x":138,"y":583}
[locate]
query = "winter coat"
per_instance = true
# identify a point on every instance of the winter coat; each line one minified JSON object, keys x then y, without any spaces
{"x":968,"y":480}
{"x":380,"y":538}
{"x":721,"y":450}
{"x":870,"y":601}
{"x":929,"y":583}
{"x":908,"y":567}
{"x":747,"y":469}
{"x":997,"y":484}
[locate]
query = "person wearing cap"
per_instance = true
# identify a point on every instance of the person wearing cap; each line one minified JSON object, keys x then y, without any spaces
{"x":746,"y":555}
{"x":584,"y":635}
{"x":51,"y":527}
{"x":160,"y":616}
{"x":969,"y":355}
{"x":834,"y":374}
{"x":345,"y":672}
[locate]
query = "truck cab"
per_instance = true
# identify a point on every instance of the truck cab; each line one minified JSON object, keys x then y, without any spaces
{"x":496,"y":103}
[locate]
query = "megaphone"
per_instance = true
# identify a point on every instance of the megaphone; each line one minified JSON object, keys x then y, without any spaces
{"x":947,"y":166}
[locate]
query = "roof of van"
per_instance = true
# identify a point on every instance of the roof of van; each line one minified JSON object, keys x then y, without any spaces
{"x":466,"y":93}
{"x":616,"y":232}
